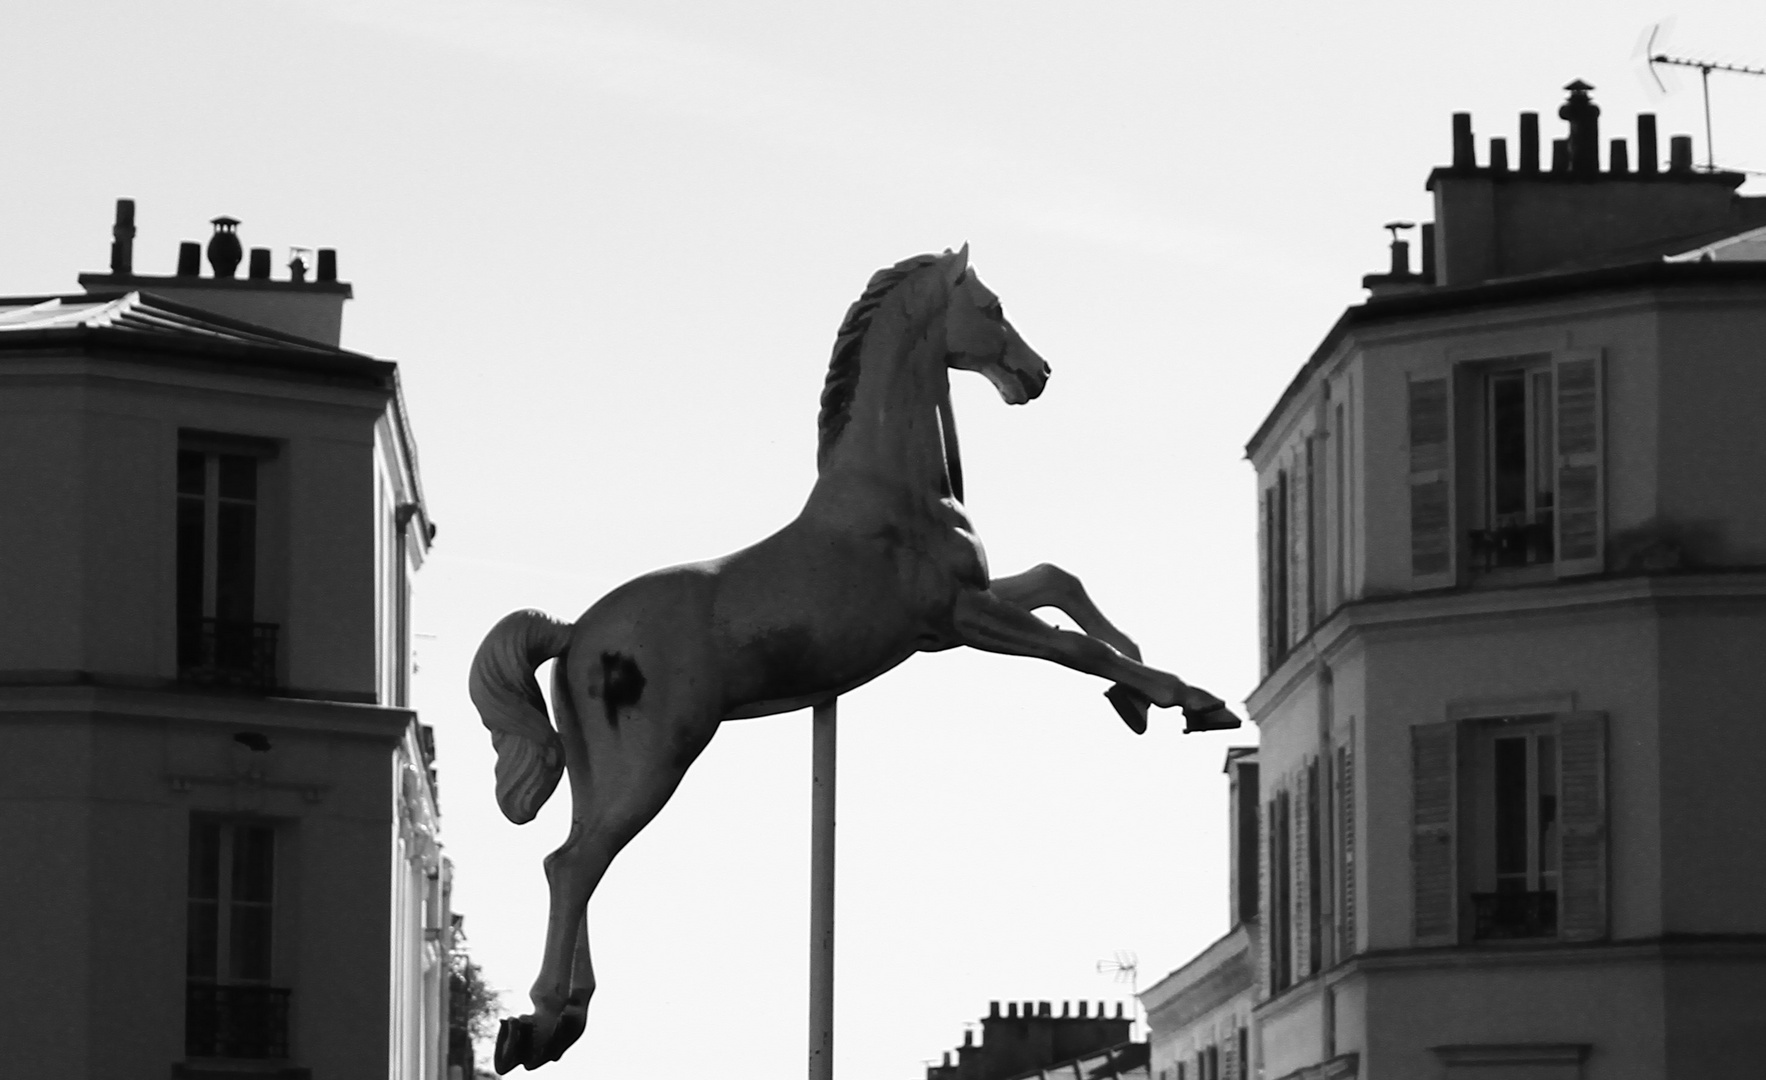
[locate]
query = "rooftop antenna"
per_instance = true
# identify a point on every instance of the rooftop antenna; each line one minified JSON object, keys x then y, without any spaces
{"x":1125,"y":967}
{"x":1705,"y":68}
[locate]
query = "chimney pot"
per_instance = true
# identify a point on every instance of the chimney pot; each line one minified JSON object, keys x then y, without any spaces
{"x":1083,"y":1006}
{"x":1680,"y":154}
{"x":1649,"y":160}
{"x":1465,"y":156}
{"x":1530,"y":142}
{"x":1011,"y":1010}
{"x":122,"y":239}
{"x":1119,"y":1010}
{"x":993,"y":1009}
{"x":1044,"y":1009}
{"x":1618,"y":159}
{"x":224,"y":250}
{"x":1584,"y":117}
{"x":327,"y":264}
{"x":968,"y":1037}
{"x":1499,"y":155}
{"x":1560,"y":155}
{"x":189,"y":259}
{"x":259,"y":269}
{"x":947,"y":1059}
{"x":1066,"y":1009}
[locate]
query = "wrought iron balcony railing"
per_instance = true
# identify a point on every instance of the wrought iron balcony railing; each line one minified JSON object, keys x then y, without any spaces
{"x":1501,"y":915}
{"x":218,"y":652}
{"x":235,"y":1021}
{"x":1513,"y":543}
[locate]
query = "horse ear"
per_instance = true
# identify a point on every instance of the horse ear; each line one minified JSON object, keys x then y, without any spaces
{"x":956,"y":265}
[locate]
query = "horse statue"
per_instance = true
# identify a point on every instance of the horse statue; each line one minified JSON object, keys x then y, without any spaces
{"x":881,"y":563}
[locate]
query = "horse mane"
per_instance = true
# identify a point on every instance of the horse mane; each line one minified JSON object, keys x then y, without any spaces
{"x":843,"y":368}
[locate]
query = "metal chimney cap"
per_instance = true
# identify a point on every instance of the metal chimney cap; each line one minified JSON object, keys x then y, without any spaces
{"x":224,"y":223}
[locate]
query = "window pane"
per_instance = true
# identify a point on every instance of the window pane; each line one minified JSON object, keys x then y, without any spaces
{"x":254,"y":848}
{"x":192,"y":472}
{"x":239,"y":476}
{"x":1511,"y":813}
{"x":235,"y":561}
{"x":205,"y":860}
{"x":199,"y":948}
{"x":1508,"y":444}
{"x":248,"y":945}
{"x":1543,"y":458}
{"x":1548,"y":810}
{"x":190,"y":574}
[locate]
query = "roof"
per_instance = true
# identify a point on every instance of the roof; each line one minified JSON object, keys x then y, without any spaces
{"x":1211,"y":977}
{"x":1124,"y":1061}
{"x":1748,"y":246}
{"x":1657,"y":272}
{"x":138,"y":321}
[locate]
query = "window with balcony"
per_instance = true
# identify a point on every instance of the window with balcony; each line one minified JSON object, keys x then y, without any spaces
{"x":1509,"y":829}
{"x":1505,"y":463}
{"x":219,"y":639}
{"x":232,"y":1008}
{"x":1516,"y":473}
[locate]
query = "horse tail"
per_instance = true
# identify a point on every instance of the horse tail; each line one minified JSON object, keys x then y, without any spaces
{"x":530,"y":755}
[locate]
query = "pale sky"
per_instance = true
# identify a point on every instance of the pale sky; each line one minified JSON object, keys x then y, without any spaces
{"x":609,"y":245}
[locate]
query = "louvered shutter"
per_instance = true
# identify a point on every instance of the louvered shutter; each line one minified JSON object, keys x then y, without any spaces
{"x":1299,"y":512}
{"x":1298,"y":850}
{"x":1579,"y":516}
{"x":1266,"y":902}
{"x":1346,"y":799}
{"x":1229,"y":1054}
{"x":1431,"y":484}
{"x":1582,"y":816}
{"x":1266,"y":584}
{"x":1433,"y":859}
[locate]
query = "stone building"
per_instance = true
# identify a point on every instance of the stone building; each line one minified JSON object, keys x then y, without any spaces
{"x":217,"y":810}
{"x":1513,"y":535}
{"x":1199,"y":1016}
{"x":1031,"y":1042}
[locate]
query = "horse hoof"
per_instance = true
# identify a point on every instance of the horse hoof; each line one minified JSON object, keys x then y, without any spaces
{"x":1218,"y":718}
{"x":514,"y":1040}
{"x":571,"y":1023}
{"x":1131,"y":705}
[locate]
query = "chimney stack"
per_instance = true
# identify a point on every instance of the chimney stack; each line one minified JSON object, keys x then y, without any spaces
{"x":189,"y":259}
{"x":1648,"y":158}
{"x":1530,"y":142}
{"x":122,"y":243}
{"x":1680,"y":154}
{"x":1499,"y":155}
{"x":1465,"y":156}
{"x":259,"y":269}
{"x":1617,"y":161}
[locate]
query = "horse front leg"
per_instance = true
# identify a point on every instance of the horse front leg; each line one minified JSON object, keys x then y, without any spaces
{"x":999,"y":623}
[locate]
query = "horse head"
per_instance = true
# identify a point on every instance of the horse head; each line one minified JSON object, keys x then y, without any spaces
{"x":978,"y":337}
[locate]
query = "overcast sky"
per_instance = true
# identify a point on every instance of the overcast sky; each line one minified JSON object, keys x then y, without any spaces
{"x":609,"y":245}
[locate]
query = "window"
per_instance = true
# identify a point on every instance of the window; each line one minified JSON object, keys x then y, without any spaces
{"x":217,"y":560}
{"x":1509,"y":829}
{"x":1276,"y":612}
{"x":231,"y":1010}
{"x":1505,"y":468}
{"x":1517,"y":472}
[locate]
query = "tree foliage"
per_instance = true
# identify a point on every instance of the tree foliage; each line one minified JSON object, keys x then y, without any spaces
{"x":472,"y":1006}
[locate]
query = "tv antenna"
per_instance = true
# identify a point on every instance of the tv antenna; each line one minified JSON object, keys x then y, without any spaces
{"x":1705,"y":68}
{"x":1125,"y":967}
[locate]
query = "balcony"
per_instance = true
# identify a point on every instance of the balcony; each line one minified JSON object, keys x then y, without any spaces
{"x":1501,"y":916}
{"x":1512,"y":543}
{"x":235,"y":1021}
{"x":216,"y":652}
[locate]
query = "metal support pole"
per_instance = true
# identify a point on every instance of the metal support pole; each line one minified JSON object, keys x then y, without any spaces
{"x":821,"y":894}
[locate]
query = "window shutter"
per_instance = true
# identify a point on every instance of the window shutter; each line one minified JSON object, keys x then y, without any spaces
{"x":1582,"y":814}
{"x":1266,"y":902}
{"x":1298,"y":849}
{"x":1579,"y":517}
{"x":1431,"y":484}
{"x":1433,"y":858}
{"x":1299,"y":512}
{"x":1346,"y":796}
{"x":1265,"y":537}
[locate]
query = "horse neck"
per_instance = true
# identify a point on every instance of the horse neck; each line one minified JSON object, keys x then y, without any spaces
{"x":894,"y":428}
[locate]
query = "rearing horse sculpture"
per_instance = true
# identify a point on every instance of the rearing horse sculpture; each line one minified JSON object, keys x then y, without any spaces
{"x":881,"y":563}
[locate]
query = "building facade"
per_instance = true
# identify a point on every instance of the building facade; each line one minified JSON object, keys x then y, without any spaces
{"x":217,"y":809}
{"x":1514,"y":591}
